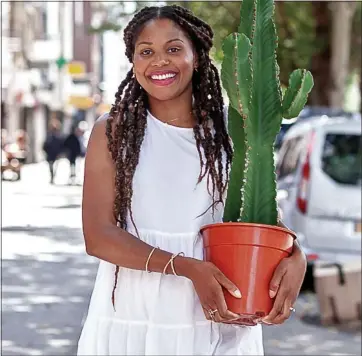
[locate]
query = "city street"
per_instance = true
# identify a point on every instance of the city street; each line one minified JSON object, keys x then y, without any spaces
{"x":47,"y":277}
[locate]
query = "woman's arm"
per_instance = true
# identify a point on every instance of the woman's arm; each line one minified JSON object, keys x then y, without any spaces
{"x":296,"y":247}
{"x":103,"y":238}
{"x":286,"y":283}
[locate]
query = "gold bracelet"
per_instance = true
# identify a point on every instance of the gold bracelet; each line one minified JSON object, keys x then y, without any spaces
{"x":148,"y":259}
{"x":172,"y":259}
{"x":171,"y":262}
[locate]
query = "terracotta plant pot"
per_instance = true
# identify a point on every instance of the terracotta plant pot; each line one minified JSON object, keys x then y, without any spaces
{"x":247,"y":254}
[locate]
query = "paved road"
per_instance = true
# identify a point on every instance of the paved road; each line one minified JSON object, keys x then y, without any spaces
{"x":47,"y":278}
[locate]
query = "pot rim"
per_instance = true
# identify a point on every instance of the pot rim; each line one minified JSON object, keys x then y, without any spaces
{"x":270,"y":227}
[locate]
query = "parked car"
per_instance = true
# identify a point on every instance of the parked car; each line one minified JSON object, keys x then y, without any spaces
{"x":284,"y":127}
{"x":310,"y":112}
{"x":319,"y":187}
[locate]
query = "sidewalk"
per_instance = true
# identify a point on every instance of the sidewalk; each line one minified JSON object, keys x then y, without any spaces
{"x":48,"y":279}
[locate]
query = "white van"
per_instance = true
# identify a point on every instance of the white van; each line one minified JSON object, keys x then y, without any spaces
{"x":319,"y":187}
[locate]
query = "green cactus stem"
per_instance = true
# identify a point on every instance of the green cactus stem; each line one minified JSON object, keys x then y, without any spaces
{"x":233,"y":202}
{"x":295,"y":98}
{"x":250,"y":76}
{"x":236,"y":71}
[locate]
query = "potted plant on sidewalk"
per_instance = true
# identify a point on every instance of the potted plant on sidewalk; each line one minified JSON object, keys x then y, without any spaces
{"x":249,"y":245}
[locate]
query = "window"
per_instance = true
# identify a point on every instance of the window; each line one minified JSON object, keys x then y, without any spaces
{"x":341,"y":158}
{"x":290,"y":161}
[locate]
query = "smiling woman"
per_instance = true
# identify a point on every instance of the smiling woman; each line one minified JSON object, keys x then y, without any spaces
{"x":167,"y":60}
{"x":148,"y":189}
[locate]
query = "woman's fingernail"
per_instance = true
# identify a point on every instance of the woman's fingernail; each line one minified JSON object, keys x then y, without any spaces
{"x":237,"y":293}
{"x":271,"y":293}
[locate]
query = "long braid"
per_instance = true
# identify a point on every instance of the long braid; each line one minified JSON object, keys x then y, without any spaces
{"x":128,"y":116}
{"x":114,"y":114}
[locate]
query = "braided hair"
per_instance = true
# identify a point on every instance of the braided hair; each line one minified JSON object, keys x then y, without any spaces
{"x":128,"y":116}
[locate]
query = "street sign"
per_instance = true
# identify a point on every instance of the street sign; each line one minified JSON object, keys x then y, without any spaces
{"x":61,"y":62}
{"x":80,"y":102}
{"x":76,"y":68}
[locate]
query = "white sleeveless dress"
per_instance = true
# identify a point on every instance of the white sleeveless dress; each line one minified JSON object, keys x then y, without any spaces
{"x":157,"y":314}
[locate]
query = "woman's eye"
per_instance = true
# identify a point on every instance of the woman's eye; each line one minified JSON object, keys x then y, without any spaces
{"x":174,"y":49}
{"x":146,"y":52}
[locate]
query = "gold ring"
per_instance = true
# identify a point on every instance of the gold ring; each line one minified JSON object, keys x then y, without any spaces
{"x":212,"y":313}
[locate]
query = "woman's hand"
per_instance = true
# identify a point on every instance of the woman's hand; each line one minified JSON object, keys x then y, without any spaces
{"x":208,"y":281}
{"x":285,"y":286}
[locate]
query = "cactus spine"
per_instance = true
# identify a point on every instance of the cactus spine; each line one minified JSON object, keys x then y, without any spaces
{"x":250,"y":75}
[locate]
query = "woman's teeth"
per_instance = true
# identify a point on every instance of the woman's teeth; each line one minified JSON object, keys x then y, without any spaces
{"x":163,"y":76}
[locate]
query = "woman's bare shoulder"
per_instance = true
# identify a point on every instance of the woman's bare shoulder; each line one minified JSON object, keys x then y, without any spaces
{"x":98,"y":161}
{"x":100,"y":125}
{"x":101,"y":121}
{"x":103,"y":118}
{"x":98,"y":140}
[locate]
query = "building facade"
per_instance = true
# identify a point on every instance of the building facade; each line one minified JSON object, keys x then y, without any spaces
{"x":43,"y":44}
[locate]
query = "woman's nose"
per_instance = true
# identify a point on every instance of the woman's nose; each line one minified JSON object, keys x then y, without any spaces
{"x":160,"y":62}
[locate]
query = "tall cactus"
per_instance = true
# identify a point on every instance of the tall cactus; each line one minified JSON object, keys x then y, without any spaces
{"x":250,"y":75}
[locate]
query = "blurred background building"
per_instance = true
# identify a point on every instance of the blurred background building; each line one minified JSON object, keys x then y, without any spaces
{"x":53,"y":67}
{"x":66,"y":59}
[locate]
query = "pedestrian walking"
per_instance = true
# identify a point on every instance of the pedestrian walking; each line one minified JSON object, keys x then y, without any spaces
{"x":73,"y":150}
{"x":53,"y":146}
{"x":83,"y":137}
{"x":156,"y":171}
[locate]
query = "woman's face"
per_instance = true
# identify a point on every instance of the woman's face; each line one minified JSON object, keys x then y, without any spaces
{"x":164,"y":60}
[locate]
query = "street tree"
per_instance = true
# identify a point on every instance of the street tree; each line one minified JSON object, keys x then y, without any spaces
{"x":310,"y":36}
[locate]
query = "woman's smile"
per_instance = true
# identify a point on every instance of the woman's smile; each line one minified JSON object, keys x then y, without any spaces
{"x":163,"y":77}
